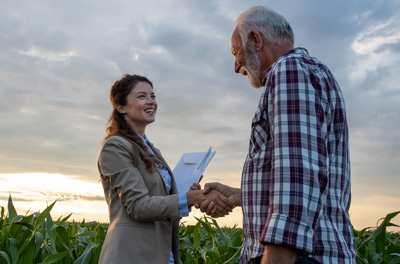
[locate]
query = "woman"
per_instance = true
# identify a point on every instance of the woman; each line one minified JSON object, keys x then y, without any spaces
{"x":144,"y":206}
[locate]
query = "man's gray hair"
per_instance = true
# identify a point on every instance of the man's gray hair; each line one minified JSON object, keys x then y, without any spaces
{"x":266,"y":21}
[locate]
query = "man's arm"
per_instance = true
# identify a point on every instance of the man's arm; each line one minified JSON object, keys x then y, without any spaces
{"x":298,"y":116}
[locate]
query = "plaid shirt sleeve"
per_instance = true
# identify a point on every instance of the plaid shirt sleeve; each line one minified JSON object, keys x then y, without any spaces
{"x":298,"y":187}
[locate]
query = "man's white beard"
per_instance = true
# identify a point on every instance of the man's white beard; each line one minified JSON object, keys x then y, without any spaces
{"x":252,"y":67}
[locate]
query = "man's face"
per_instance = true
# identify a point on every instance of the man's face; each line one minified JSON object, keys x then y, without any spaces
{"x":247,"y":62}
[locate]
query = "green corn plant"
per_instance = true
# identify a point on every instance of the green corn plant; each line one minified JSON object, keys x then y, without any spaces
{"x":376,"y":245}
{"x":36,"y":238}
{"x":207,"y":242}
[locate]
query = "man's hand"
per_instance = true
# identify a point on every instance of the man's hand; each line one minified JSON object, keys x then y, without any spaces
{"x":209,"y":207}
{"x":223,"y":206}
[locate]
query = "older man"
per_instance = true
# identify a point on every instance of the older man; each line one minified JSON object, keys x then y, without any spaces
{"x":295,"y":191}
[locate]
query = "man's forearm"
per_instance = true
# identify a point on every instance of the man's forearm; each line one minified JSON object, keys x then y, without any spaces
{"x":279,"y":254}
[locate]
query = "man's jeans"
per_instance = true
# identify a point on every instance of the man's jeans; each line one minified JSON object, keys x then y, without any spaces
{"x":305,"y":260}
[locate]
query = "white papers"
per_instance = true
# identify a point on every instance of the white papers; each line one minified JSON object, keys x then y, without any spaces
{"x":190,"y":167}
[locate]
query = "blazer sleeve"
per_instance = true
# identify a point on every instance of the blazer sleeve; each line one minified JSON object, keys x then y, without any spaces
{"x":127,"y":181}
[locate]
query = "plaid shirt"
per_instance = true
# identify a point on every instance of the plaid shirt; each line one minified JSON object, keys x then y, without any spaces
{"x":296,"y":177}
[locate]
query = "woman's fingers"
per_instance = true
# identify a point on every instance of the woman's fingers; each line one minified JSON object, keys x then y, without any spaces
{"x":195,"y":186}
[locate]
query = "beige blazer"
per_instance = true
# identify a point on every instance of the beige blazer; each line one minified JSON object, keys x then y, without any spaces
{"x":144,"y":219}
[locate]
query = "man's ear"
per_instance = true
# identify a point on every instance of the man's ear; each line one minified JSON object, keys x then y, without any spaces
{"x":121,"y":109}
{"x":255,"y":39}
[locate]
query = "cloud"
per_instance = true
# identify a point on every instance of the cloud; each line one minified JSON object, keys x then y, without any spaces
{"x":47,"y":55}
{"x":71,"y":197}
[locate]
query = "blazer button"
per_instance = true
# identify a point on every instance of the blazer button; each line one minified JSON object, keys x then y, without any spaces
{"x":169,"y":219}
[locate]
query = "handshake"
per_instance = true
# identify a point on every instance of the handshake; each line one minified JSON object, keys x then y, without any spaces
{"x":216,"y":199}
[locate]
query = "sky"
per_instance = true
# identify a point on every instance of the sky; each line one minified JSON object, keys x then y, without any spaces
{"x":58,"y":60}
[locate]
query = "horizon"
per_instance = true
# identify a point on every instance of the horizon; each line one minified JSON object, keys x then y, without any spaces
{"x":88,"y":203}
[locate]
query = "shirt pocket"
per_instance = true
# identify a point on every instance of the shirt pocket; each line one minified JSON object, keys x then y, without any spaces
{"x":260,"y":139}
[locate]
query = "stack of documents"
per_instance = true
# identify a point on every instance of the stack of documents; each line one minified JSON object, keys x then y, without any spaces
{"x":190,"y":167}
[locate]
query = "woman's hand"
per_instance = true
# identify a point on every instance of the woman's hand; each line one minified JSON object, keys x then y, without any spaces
{"x":195,"y":186}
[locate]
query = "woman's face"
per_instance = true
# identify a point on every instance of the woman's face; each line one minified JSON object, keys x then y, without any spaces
{"x":141,"y":107}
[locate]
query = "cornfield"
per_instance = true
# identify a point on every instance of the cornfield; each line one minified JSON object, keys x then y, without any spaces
{"x":36,"y":238}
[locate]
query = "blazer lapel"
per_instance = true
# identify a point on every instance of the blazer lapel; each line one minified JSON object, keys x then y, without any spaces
{"x":158,"y":153}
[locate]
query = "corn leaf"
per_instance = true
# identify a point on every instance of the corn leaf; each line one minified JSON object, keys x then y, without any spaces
{"x":393,"y":258}
{"x":5,"y":257}
{"x":2,"y":213}
{"x":221,"y":233}
{"x":44,"y":215}
{"x":14,"y":249}
{"x":54,"y":258}
{"x":38,"y":242}
{"x":100,"y":235}
{"x":62,"y":241}
{"x":87,"y":254}
{"x":65,"y":219}
{"x":196,"y":234}
{"x":27,"y":251}
{"x":88,"y":233}
{"x":12,"y":213}
{"x":50,"y":234}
